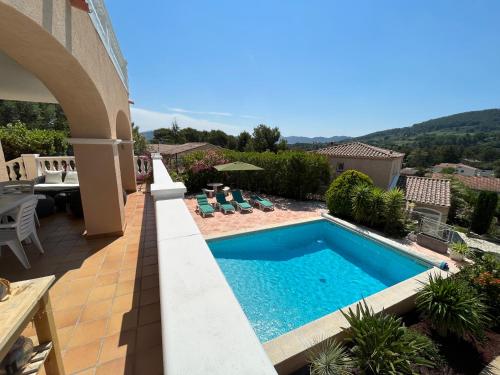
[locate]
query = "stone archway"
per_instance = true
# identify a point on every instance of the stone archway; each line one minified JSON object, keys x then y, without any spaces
{"x":59,"y":45}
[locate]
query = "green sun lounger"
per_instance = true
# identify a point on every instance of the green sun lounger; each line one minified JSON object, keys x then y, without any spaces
{"x":203,"y":207}
{"x":240,"y":202}
{"x":261,"y":202}
{"x":222,"y":203}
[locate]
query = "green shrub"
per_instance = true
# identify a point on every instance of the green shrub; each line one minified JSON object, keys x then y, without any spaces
{"x":460,"y":248}
{"x":484,"y":276}
{"x":484,"y":211}
{"x":394,"y":211}
{"x":17,"y":139}
{"x":452,"y":306}
{"x":291,"y":174}
{"x":338,"y":196}
{"x":330,"y":358}
{"x":199,"y":169}
{"x":383,"y":345}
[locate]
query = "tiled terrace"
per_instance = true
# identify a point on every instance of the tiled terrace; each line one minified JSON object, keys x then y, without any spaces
{"x":106,"y":297}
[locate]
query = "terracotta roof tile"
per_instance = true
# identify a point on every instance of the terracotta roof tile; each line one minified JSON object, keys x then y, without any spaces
{"x":435,"y":191}
{"x":359,"y":150}
{"x":476,"y":182}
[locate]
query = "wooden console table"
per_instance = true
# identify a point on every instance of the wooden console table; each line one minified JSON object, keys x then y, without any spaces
{"x":29,"y":300}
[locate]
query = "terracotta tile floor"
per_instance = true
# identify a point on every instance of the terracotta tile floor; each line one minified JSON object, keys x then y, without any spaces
{"x":286,"y":210}
{"x":105,"y":300}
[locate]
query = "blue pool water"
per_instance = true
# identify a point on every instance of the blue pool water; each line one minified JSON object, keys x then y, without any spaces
{"x":290,"y":276}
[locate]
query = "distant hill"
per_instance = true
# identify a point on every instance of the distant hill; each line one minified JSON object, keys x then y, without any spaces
{"x":474,"y":135}
{"x":298,"y":139}
{"x":473,"y":122}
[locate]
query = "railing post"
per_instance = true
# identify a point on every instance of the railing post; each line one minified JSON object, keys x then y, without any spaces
{"x":163,"y":187}
{"x":30,"y":165}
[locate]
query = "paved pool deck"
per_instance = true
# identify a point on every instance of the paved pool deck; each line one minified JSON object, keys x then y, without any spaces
{"x":286,"y":211}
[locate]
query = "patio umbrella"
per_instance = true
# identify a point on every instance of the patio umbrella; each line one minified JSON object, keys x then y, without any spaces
{"x":237,"y":166}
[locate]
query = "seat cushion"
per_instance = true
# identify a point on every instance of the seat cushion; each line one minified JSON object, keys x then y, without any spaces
{"x":53,"y":177}
{"x":55,"y":187}
{"x":71,"y":177}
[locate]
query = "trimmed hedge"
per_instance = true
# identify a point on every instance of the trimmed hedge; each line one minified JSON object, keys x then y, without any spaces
{"x":17,"y":139}
{"x":290,"y":174}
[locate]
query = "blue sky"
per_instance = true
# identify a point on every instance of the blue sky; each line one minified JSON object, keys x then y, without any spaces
{"x":310,"y":67}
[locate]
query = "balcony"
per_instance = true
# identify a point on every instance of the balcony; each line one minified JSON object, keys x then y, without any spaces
{"x":100,"y":18}
{"x":106,"y":296}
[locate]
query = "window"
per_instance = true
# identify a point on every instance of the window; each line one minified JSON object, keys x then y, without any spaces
{"x":340,"y":167}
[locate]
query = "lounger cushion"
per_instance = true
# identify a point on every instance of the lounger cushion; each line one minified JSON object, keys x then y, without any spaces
{"x":244,"y":205}
{"x":206,"y":209}
{"x":227,"y":207}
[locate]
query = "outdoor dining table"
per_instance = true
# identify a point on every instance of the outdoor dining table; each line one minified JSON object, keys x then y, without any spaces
{"x":215,"y":185}
{"x":9,"y":202}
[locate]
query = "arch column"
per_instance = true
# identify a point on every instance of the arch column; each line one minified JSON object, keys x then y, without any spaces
{"x":98,"y":167}
{"x":127,"y":165}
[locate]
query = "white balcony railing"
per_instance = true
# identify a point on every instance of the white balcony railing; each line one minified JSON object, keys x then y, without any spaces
{"x":30,"y":166}
{"x":102,"y":23}
{"x":199,"y":312}
{"x":16,"y":169}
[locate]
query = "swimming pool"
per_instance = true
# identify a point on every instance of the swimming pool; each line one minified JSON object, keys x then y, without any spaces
{"x":289,"y":276}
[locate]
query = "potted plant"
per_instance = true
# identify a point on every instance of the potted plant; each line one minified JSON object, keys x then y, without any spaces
{"x":458,"y":251}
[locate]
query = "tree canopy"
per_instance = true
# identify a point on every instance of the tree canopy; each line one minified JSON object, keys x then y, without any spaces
{"x":34,"y":115}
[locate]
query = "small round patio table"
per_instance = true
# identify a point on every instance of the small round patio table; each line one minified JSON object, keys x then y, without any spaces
{"x":215,"y":185}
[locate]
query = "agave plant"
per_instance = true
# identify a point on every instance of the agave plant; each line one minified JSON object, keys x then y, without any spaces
{"x":452,"y":306}
{"x":361,"y":201}
{"x":330,"y":358}
{"x":394,"y":210}
{"x":377,"y":208}
{"x":383,"y":345}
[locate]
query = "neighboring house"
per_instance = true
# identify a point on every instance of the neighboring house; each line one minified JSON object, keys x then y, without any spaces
{"x":477,"y":182}
{"x":173,"y":153}
{"x":383,"y":166}
{"x":430,"y":196}
{"x":486,"y":173}
{"x":460,"y":169}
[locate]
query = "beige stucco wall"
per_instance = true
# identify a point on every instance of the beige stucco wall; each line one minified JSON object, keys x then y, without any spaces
{"x":3,"y":167}
{"x":381,"y":171}
{"x":441,"y":209}
{"x":59,"y":45}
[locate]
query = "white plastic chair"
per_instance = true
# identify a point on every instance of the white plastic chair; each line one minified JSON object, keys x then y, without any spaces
{"x":17,"y":187}
{"x":12,"y":234}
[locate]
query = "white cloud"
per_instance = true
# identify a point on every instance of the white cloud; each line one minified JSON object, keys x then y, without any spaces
{"x":249,"y":116}
{"x":151,"y":120}
{"x":182,"y":110}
